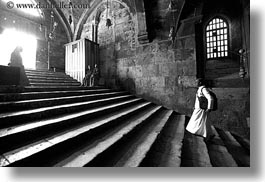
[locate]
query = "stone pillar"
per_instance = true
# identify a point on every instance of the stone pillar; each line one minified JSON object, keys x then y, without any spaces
{"x":96,"y":31}
{"x":93,"y":31}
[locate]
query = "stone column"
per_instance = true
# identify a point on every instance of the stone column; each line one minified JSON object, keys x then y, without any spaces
{"x":96,"y":31}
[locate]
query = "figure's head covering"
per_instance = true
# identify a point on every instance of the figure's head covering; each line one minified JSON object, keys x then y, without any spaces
{"x":201,"y":82}
{"x":18,"y":49}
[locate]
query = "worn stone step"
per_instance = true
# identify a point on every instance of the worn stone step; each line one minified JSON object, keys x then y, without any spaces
{"x":47,"y":102}
{"x":167,"y":149}
{"x":68,"y":138}
{"x":194,"y":152}
{"x":66,"y":119}
{"x":245,"y":143}
{"x":44,"y":72}
{"x":103,"y":142}
{"x":239,"y":154}
{"x":49,"y":77}
{"x":38,"y":70}
{"x":219,"y":155}
{"x":55,"y":84}
{"x":26,"y":116}
{"x":58,"y":88}
{"x":33,"y":81}
{"x":50,"y":94}
{"x":132,"y":149}
{"x":143,"y":141}
{"x":21,"y":135}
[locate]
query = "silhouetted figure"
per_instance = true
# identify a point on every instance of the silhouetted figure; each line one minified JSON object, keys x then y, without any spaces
{"x":16,"y":61}
{"x":95,"y":76}
{"x":87,"y":78}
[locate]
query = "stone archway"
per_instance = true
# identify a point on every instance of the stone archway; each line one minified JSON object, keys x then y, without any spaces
{"x":135,"y":7}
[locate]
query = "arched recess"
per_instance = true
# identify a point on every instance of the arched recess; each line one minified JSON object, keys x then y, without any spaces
{"x":83,"y":18}
{"x":195,"y":15}
{"x":123,"y":28}
{"x":227,"y":68}
{"x":135,"y":7}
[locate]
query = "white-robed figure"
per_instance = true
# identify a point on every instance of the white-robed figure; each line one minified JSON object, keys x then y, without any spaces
{"x":198,"y":123}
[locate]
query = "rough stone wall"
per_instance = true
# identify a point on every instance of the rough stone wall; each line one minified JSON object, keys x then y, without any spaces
{"x":233,"y":110}
{"x":162,"y":74}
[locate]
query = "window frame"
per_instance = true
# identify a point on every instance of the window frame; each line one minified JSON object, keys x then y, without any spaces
{"x":226,"y":20}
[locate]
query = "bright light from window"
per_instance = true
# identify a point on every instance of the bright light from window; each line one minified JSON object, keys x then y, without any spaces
{"x":217,"y":39}
{"x":27,"y":6}
{"x":10,"y":39}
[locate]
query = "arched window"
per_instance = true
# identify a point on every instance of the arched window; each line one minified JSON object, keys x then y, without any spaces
{"x":217,"y":38}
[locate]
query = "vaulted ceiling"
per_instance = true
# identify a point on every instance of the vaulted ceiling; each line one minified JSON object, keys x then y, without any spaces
{"x":70,"y":16}
{"x":81,"y":6}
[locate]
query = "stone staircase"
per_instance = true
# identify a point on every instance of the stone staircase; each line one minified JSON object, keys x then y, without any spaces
{"x":39,"y":78}
{"x":71,"y":126}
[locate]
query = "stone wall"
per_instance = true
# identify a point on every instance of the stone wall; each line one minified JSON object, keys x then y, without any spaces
{"x":233,"y":112}
{"x":160,"y":73}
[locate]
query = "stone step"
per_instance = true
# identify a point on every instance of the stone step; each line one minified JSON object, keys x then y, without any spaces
{"x":50,"y":94}
{"x":132,"y":149}
{"x":68,"y":139}
{"x":48,"y":78}
{"x":48,"y":75}
{"x":74,"y":118}
{"x":245,"y":143}
{"x":240,"y":155}
{"x":167,"y":149}
{"x":39,"y":70}
{"x":194,"y":152}
{"x":55,"y":84}
{"x":219,"y":155}
{"x":26,"y":116}
{"x":103,"y":142}
{"x":43,"y":72}
{"x":33,"y":81}
{"x":58,"y":88}
{"x":142,"y":142}
{"x":47,"y":102}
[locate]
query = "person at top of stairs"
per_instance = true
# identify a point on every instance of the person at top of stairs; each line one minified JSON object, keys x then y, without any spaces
{"x":16,"y":61}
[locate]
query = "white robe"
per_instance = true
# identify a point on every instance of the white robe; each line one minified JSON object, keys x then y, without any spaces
{"x":198,"y":123}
